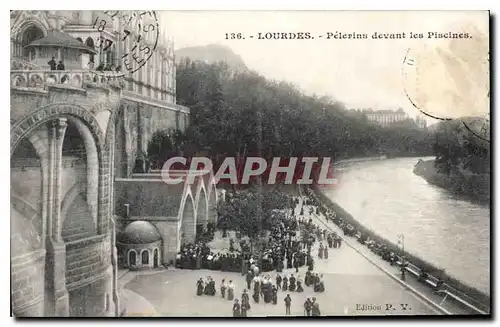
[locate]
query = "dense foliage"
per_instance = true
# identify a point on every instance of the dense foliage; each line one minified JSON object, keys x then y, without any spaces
{"x":253,"y":211}
{"x":462,"y":162}
{"x":458,"y":149}
{"x":244,"y":114}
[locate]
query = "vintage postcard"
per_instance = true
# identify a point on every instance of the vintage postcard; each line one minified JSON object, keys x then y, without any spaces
{"x":250,"y":163}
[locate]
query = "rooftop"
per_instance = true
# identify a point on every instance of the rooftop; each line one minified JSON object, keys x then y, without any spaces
{"x":57,"y":38}
{"x":139,"y":232}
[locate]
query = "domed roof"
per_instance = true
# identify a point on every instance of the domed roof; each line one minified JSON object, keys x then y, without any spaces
{"x":139,"y":232}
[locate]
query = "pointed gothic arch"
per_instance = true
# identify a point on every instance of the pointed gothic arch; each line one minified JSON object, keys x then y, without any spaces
{"x":187,"y":219}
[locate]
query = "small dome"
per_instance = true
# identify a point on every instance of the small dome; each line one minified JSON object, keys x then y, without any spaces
{"x":139,"y":232}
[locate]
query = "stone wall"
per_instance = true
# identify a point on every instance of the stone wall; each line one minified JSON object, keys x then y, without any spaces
{"x":147,"y":197}
{"x":135,"y":128}
{"x":27,"y":282}
{"x":87,"y":258}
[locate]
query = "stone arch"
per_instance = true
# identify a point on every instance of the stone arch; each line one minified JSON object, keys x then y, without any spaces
{"x":213,"y":200}
{"x":31,"y":31}
{"x":27,"y":228}
{"x":90,"y":43}
{"x":156,"y":258}
{"x":187,"y":218}
{"x":76,"y":219}
{"x":201,"y":205}
{"x":91,"y":163}
{"x":131,"y":258}
{"x":92,"y":134}
{"x":145,"y":258}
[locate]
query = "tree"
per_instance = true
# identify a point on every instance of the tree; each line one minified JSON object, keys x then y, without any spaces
{"x":252,"y":212}
{"x":242,"y":113}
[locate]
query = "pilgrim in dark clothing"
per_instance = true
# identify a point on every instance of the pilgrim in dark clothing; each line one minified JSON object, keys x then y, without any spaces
{"x":330,"y":240}
{"x":308,"y":307}
{"x":268,"y":293}
{"x":243,"y":311}
{"x":308,"y":279}
{"x":275,"y":295}
{"x":299,"y":286}
{"x":230,"y":291}
{"x":236,"y":309}
{"x":315,"y":310}
{"x":223,"y":289}
{"x":245,"y":301}
{"x":249,"y":280}
{"x":278,"y":281}
{"x":288,"y":303}
{"x":319,"y":286}
{"x":285,"y":284}
{"x":292,"y":284}
{"x":325,"y":252}
{"x":199,"y":284}
{"x":52,"y":63}
{"x":60,"y":66}
{"x":256,"y":292}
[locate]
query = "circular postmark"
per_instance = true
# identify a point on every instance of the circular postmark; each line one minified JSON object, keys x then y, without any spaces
{"x":448,"y":79}
{"x":479,"y":127}
{"x":137,"y":30}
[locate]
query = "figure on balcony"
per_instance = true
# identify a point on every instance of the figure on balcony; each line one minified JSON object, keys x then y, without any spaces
{"x":60,"y":65}
{"x":52,"y":63}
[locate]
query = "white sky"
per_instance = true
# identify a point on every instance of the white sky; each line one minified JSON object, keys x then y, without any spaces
{"x":360,"y":73}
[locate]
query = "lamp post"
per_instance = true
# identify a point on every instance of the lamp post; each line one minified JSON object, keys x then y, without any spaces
{"x":401,"y":242}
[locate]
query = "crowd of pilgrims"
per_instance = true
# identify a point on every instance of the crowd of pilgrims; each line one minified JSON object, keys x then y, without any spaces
{"x":285,"y":248}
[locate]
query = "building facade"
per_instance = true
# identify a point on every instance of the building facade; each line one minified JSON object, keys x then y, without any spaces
{"x":75,"y":128}
{"x":385,"y":117}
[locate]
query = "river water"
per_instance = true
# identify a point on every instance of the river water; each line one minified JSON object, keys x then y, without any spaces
{"x":449,"y":232}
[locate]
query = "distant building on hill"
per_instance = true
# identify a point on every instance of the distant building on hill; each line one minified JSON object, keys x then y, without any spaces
{"x":385,"y":117}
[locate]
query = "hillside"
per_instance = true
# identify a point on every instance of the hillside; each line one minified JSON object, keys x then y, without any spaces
{"x":210,"y":54}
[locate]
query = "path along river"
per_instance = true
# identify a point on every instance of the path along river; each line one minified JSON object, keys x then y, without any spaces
{"x":449,"y":232}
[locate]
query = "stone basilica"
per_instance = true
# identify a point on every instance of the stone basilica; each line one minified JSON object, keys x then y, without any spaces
{"x":88,"y":90}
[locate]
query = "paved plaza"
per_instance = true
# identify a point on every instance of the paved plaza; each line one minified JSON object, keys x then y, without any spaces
{"x":354,"y":286}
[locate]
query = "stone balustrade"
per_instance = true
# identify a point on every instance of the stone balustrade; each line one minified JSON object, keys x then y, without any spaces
{"x":41,"y":79}
{"x":21,"y":64}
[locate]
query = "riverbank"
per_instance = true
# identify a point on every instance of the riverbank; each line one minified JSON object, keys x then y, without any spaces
{"x":473,"y":186}
{"x":472,"y":292}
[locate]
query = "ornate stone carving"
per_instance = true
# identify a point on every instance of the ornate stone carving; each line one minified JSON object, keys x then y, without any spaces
{"x":60,"y":124}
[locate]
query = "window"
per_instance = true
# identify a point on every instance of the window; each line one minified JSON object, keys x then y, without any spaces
{"x":145,"y":257}
{"x":132,"y":258}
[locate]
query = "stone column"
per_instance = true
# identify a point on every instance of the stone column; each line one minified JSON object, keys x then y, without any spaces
{"x":55,"y":265}
{"x":60,"y":128}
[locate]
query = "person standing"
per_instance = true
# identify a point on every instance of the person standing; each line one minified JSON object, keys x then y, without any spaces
{"x":245,"y":300}
{"x":278,"y":281}
{"x":275,"y":295}
{"x":308,"y":307}
{"x":315,"y":310}
{"x":236,"y":309}
{"x":52,"y":64}
{"x":285,"y":283}
{"x":249,"y":280}
{"x":288,"y":304}
{"x":223,"y":288}
{"x":200,"y":287}
{"x":230,"y":291}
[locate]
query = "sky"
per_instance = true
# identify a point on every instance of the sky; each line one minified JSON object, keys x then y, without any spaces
{"x":449,"y":78}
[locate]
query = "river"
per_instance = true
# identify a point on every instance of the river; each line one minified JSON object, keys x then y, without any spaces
{"x":449,"y":232}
